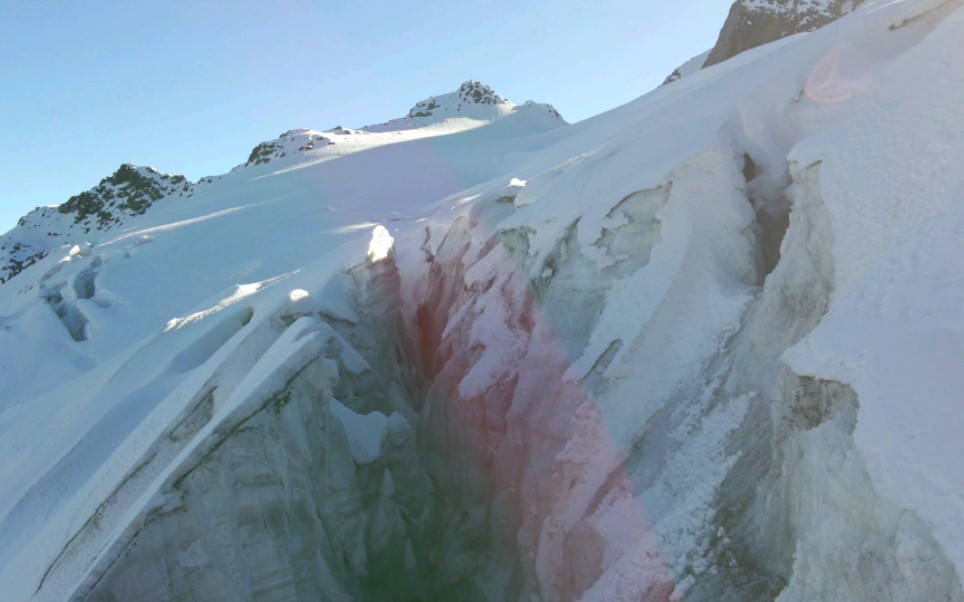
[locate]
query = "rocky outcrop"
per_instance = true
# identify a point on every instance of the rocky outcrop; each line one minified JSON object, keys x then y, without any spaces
{"x":290,"y":143}
{"x":469,"y":93}
{"x":752,"y":23}
{"x":128,"y":192}
{"x":473,"y":100}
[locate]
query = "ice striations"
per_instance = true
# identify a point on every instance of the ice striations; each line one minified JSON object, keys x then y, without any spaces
{"x":702,"y":347}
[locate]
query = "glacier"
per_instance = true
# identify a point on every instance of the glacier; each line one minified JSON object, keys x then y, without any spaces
{"x":704,"y":346}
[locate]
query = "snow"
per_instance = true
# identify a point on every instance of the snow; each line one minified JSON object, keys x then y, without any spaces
{"x":689,"y":67}
{"x":895,"y":329}
{"x":380,"y":245}
{"x":587,"y":310}
{"x":366,"y":432}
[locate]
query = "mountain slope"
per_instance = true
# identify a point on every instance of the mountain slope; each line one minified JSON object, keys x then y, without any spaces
{"x":498,"y":359}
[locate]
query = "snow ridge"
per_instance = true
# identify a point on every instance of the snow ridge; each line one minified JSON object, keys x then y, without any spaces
{"x":127,"y":193}
{"x":473,"y":100}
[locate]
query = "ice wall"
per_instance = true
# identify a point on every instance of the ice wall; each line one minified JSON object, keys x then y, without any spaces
{"x":623,"y":410}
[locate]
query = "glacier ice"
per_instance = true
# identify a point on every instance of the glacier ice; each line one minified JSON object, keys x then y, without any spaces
{"x":625,"y":359}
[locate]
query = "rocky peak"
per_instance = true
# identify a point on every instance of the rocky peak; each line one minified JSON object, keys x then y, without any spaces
{"x":752,"y":23}
{"x":469,"y":93}
{"x":475,"y":92}
{"x":131,"y":190}
{"x":128,"y":192}
{"x":291,"y":143}
{"x":472,"y":100}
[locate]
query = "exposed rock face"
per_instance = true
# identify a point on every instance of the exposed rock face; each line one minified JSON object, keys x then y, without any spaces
{"x":129,"y":192}
{"x":752,"y":23}
{"x":290,"y":143}
{"x":469,"y":93}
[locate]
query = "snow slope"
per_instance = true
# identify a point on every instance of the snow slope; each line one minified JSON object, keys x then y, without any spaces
{"x":704,"y":346}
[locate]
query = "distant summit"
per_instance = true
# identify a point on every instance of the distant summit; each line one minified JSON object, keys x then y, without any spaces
{"x":288,"y":143}
{"x":473,"y":100}
{"x":128,"y":192}
{"x":132,"y":190}
{"x":753,"y":23}
{"x":470,"y":93}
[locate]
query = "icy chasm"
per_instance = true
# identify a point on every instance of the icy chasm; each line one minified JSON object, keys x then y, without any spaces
{"x":702,"y":347}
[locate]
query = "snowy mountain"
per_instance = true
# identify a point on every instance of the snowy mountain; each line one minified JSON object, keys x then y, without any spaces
{"x":704,"y":346}
{"x":472,"y":101}
{"x":132,"y":190}
{"x":129,"y":192}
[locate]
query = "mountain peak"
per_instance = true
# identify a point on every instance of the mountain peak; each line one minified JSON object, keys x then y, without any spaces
{"x":470,"y":93}
{"x":753,"y":23}
{"x":475,"y":92}
{"x":473,"y":100}
{"x":130,"y":191}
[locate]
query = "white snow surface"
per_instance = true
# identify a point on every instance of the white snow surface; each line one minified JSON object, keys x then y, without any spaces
{"x":895,"y":329}
{"x":104,"y":348}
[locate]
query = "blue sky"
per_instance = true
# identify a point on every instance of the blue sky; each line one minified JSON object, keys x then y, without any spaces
{"x":191,"y":87}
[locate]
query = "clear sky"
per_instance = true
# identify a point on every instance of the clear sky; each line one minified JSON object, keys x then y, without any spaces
{"x":191,"y":86}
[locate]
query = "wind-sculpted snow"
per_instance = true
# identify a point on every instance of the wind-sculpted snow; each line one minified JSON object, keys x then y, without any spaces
{"x":702,"y":347}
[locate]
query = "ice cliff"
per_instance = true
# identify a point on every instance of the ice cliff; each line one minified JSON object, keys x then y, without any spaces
{"x":704,"y":346}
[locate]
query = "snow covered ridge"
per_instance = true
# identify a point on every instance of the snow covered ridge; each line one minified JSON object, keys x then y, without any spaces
{"x":289,"y":143}
{"x":473,"y":100}
{"x":469,"y":93}
{"x":128,"y":192}
{"x":473,"y":104}
{"x":133,"y":190}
